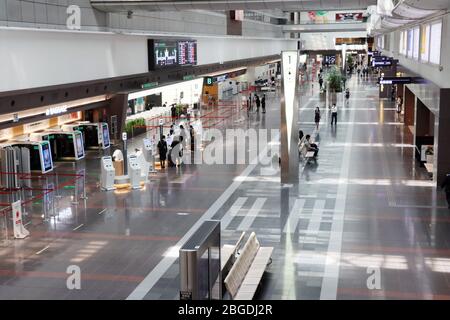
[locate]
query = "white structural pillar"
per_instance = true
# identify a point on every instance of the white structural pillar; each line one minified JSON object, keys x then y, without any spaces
{"x":289,"y":117}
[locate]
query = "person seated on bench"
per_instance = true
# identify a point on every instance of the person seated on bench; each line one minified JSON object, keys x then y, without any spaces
{"x":311,"y":146}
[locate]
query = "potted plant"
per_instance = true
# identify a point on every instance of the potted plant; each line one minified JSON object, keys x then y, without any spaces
{"x":334,"y":84}
{"x":135,"y":127}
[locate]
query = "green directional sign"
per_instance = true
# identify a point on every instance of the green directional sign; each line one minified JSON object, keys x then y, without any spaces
{"x":189,"y":77}
{"x":149,"y":85}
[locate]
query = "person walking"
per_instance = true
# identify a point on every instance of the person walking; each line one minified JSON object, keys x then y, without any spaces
{"x":317,"y":118}
{"x":446,"y":185}
{"x":258,"y":103}
{"x":321,"y":83}
{"x":162,"y":149}
{"x":334,"y":114}
{"x":263,"y":103}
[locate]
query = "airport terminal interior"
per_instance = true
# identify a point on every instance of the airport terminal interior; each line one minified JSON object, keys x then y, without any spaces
{"x":224,"y":150}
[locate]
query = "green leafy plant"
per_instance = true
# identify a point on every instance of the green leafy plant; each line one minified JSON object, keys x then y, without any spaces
{"x":133,"y":125}
{"x":350,"y":60}
{"x":335,"y":80}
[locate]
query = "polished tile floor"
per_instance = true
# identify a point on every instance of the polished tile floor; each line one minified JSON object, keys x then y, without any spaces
{"x":365,"y":205}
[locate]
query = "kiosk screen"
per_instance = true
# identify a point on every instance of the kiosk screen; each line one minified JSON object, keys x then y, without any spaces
{"x":79,"y":144}
{"x":105,"y":135}
{"x":47,"y":157}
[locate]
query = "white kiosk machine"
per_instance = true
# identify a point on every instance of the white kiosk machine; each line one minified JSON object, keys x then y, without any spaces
{"x":134,"y":172}
{"x":108,"y":174}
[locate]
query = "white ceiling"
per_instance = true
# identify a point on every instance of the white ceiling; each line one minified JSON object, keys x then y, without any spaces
{"x":219,"y":5}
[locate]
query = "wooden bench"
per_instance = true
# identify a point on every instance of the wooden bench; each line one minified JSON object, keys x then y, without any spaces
{"x":244,"y":277}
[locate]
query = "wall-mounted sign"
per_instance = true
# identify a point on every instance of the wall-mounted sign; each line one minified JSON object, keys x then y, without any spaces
{"x":188,"y":77}
{"x":400,"y":80}
{"x":386,"y":63}
{"x":237,"y":15}
{"x":36,"y":126}
{"x":56,"y":110}
{"x":149,"y":85}
{"x":209,"y":81}
{"x":349,"y":16}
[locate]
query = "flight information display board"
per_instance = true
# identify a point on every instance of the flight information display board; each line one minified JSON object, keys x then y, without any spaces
{"x":171,"y":53}
{"x":187,"y":52}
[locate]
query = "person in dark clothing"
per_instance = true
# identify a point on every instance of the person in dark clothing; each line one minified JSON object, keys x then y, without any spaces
{"x":192,"y":135}
{"x":263,"y":103}
{"x":321,"y":82}
{"x":317,"y":117}
{"x":173,"y":111}
{"x":446,"y":185}
{"x":162,"y":148}
{"x":300,"y":135}
{"x":258,"y":103}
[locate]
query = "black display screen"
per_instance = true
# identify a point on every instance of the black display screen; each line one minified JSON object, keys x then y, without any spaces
{"x":171,"y":53}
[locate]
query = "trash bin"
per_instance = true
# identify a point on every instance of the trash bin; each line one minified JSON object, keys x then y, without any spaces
{"x":118,"y":162}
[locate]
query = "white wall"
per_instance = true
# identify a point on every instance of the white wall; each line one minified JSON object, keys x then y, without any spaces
{"x":326,"y":40}
{"x":426,"y":70}
{"x":213,"y":50}
{"x":33,"y":59}
{"x":42,"y":58}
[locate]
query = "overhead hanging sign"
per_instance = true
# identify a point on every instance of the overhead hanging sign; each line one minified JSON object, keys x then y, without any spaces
{"x":400,"y":80}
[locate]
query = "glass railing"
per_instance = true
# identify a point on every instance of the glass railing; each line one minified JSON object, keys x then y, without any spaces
{"x":258,"y":16}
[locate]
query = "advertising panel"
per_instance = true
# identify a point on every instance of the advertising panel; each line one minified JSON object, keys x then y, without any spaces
{"x":349,"y":16}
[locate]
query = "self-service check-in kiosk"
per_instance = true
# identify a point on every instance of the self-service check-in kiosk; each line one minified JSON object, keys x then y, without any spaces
{"x":134,"y":171}
{"x":107,"y":174}
{"x":14,"y":161}
{"x":63,"y":145}
{"x":96,"y":135}
{"x":40,"y":155}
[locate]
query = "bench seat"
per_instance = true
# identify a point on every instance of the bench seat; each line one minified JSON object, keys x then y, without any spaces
{"x":253,"y":277}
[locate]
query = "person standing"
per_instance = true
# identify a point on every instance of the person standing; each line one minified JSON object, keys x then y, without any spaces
{"x":192,"y":136}
{"x":263,"y":103}
{"x":173,"y":111}
{"x":399,"y":105}
{"x":317,"y":117}
{"x":183,"y":136}
{"x":446,"y":185}
{"x":334,"y":114}
{"x":162,"y":149}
